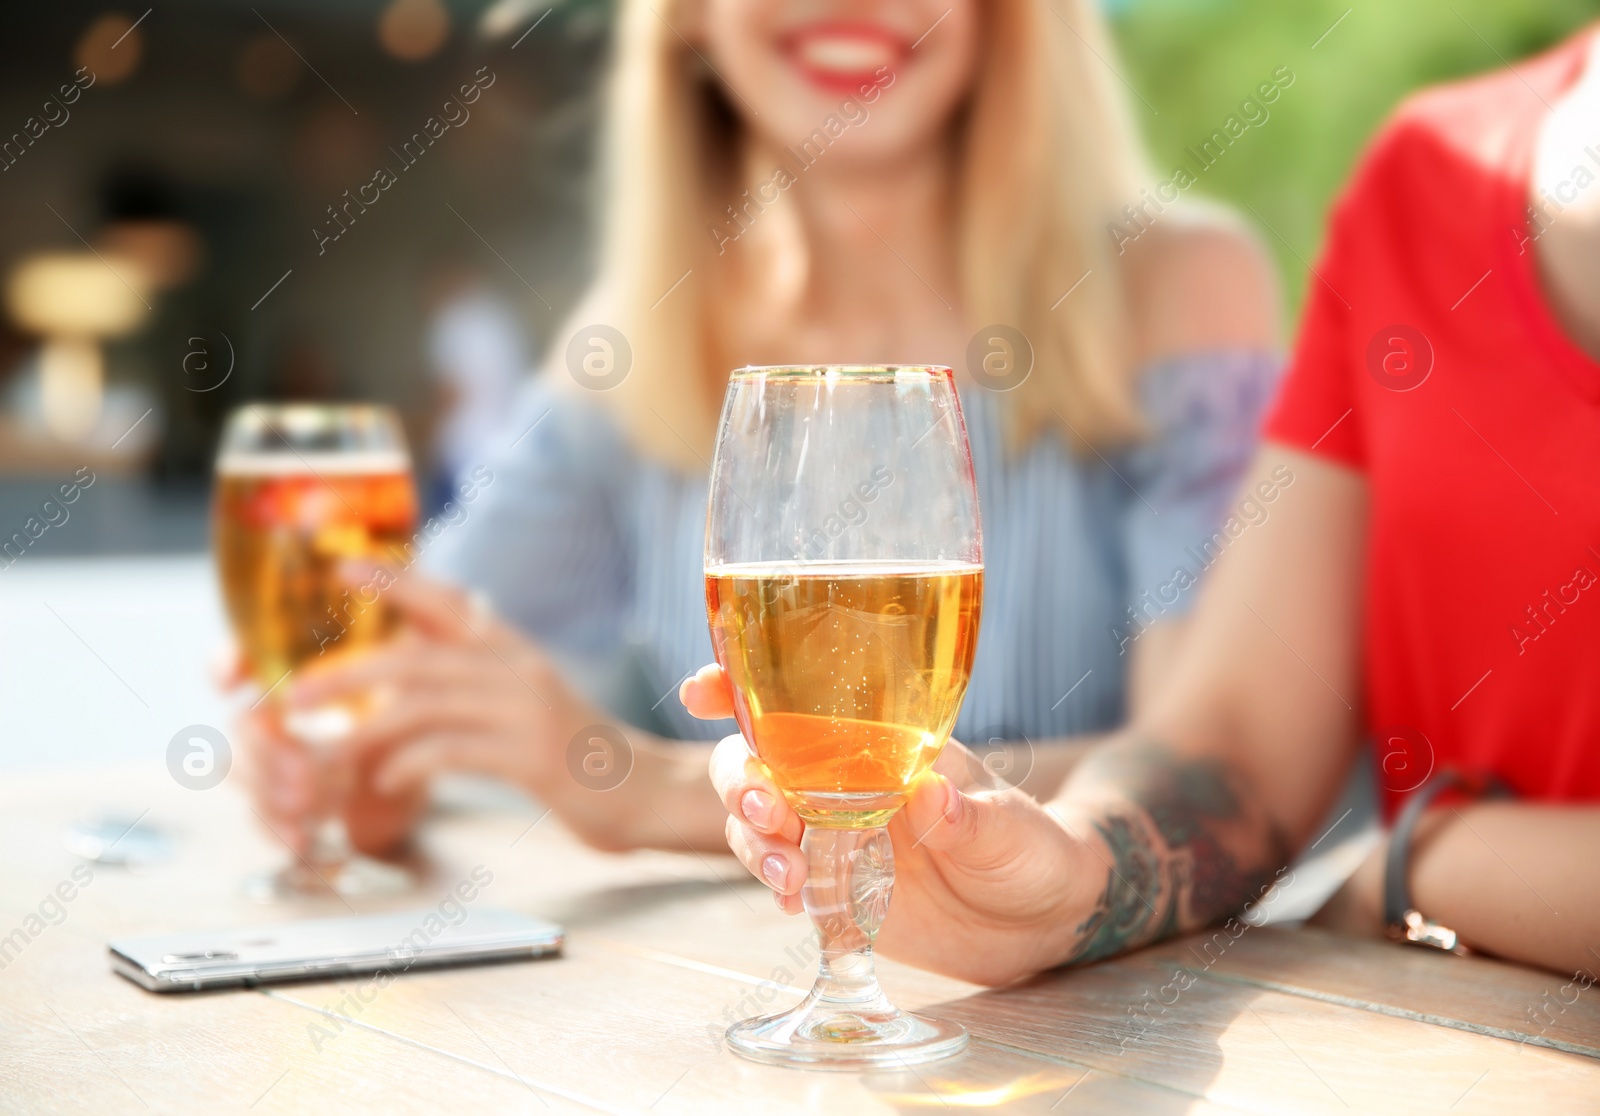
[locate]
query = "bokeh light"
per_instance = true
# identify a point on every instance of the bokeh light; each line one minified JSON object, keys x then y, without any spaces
{"x":412,"y":30}
{"x":75,"y":294}
{"x":111,"y":48}
{"x":267,"y":69}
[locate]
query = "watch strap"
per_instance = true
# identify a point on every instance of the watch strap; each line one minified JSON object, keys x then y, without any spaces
{"x":1399,"y":915}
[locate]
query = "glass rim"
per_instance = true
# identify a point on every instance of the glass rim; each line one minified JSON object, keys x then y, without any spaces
{"x":262,"y":438}
{"x":870,"y":372}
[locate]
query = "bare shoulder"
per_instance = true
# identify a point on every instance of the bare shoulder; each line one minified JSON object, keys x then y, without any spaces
{"x":1201,"y":279}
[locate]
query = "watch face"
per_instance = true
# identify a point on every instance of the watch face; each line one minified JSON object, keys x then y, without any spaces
{"x":1419,"y":930}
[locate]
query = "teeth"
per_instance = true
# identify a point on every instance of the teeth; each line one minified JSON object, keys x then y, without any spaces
{"x":844,"y":55}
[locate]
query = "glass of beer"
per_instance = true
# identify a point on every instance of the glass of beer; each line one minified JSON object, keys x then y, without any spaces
{"x":302,"y":488}
{"x":844,"y":582}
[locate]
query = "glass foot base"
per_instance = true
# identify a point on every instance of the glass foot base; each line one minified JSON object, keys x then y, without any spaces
{"x":833,"y":1037}
{"x":357,"y":878}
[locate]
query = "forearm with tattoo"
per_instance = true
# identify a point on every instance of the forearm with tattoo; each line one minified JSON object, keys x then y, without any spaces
{"x":1184,"y":844}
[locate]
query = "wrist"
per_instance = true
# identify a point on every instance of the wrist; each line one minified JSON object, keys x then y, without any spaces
{"x":628,"y":815}
{"x":619,"y":789}
{"x":596,"y":784}
{"x":1079,"y":892}
{"x":1424,"y":834}
{"x":1357,"y":907}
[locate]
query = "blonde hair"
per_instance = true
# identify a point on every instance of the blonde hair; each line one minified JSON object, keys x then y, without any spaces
{"x":1047,"y":155}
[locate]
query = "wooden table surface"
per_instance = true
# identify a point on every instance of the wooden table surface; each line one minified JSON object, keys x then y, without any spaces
{"x":664,"y":951}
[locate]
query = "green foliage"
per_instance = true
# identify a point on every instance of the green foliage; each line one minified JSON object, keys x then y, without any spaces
{"x":1193,"y":61}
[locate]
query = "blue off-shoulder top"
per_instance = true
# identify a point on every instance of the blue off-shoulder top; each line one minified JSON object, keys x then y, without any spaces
{"x":597,"y":553}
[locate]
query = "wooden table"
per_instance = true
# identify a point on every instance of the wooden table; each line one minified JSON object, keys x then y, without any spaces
{"x":665,"y":950}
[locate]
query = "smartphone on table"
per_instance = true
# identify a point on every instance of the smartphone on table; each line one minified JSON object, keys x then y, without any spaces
{"x":329,"y":947}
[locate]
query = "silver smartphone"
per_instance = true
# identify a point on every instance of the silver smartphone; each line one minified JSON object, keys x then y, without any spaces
{"x":330,"y":947}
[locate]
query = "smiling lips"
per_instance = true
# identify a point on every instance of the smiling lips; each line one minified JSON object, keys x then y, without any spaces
{"x":841,"y":56}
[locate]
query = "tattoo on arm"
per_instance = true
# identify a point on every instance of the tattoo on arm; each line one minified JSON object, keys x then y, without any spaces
{"x":1186,"y":845}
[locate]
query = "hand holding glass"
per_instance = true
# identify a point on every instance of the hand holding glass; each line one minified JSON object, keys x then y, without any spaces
{"x":844,"y":582}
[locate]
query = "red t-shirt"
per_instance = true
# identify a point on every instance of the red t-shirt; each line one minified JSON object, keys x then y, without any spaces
{"x":1482,"y":613}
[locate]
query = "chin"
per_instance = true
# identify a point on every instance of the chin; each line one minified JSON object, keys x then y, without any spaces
{"x":877,"y":141}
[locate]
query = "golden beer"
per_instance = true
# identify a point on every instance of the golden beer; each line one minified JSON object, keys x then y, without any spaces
{"x":847,"y":677}
{"x":284,"y":522}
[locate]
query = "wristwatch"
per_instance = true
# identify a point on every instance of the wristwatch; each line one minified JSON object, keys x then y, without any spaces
{"x":1401,"y":919}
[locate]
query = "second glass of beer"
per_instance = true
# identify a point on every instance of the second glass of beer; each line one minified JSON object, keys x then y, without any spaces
{"x":301,"y":490}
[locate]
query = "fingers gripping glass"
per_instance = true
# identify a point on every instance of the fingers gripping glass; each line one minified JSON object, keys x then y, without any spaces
{"x":844,"y":579}
{"x":301,"y":488}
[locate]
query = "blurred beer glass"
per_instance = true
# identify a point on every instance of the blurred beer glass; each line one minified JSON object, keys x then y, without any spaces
{"x":302,"y":488}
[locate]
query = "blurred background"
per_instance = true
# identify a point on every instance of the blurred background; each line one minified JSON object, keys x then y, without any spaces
{"x":182,"y":225}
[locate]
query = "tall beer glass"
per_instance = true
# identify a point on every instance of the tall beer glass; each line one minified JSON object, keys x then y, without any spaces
{"x":844,"y":581}
{"x":300,"y":489}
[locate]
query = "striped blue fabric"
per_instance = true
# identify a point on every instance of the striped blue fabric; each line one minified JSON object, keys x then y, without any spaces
{"x":597,"y":554}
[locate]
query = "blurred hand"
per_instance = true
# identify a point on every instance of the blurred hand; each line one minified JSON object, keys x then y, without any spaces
{"x":456,"y":690}
{"x":284,"y":784}
{"x":989,"y":885}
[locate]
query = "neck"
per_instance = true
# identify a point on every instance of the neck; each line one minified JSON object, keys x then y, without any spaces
{"x":845,"y":241}
{"x":1566,"y":170}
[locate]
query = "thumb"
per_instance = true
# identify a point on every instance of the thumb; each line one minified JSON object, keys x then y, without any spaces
{"x":978,"y":830}
{"x":708,"y":695}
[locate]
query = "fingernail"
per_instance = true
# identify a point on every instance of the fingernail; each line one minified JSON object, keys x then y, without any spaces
{"x":775,"y":870}
{"x":757,"y":807}
{"x":781,"y":901}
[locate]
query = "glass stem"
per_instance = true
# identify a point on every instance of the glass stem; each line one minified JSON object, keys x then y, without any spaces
{"x":846,"y":893}
{"x":330,"y":842}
